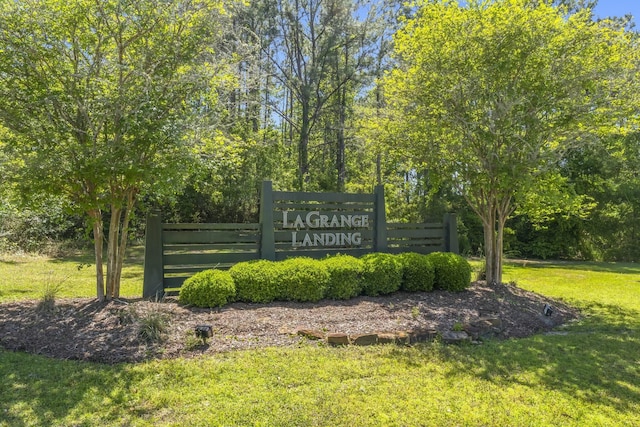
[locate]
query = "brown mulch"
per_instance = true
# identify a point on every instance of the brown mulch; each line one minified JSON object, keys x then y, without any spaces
{"x":85,"y":329}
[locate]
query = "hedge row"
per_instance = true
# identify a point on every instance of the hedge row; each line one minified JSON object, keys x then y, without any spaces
{"x":336,"y":277}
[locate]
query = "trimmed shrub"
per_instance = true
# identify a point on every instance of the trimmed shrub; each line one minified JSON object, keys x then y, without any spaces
{"x":417,"y":272}
{"x":452,"y":272}
{"x":302,"y":279}
{"x":382,"y":274}
{"x":345,"y":276}
{"x":210,"y":288}
{"x":256,"y":281}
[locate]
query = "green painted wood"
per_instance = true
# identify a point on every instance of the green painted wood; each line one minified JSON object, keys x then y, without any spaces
{"x":207,"y":259}
{"x":418,"y":249}
{"x":174,"y":282}
{"x":215,"y":247}
{"x":292,"y":215}
{"x":416,"y":234}
{"x":282,"y":255}
{"x":279,"y":206}
{"x":152,"y":286}
{"x":192,"y":237}
{"x":267,"y":240}
{"x":285,"y":236}
{"x":380,"y":221}
{"x":414,"y":226}
{"x":212,"y":226}
{"x":322,"y":197}
{"x":415,"y":242}
{"x":182,"y":270}
{"x":451,"y":233}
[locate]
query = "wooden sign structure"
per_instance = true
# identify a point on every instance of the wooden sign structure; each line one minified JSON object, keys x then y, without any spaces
{"x":311,"y":224}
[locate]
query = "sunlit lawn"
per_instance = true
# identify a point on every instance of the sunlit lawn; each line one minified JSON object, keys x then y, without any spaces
{"x":587,"y":374}
{"x":24,"y":276}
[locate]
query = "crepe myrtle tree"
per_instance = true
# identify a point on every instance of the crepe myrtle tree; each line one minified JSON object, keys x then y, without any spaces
{"x":489,"y":95}
{"x":97,"y":98}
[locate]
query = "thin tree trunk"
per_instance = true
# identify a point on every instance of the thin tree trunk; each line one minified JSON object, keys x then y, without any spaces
{"x":131,"y":198}
{"x":98,"y":238}
{"x":112,"y":250}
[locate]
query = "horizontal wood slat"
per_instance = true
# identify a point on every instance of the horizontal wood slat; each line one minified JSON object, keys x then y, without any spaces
{"x":209,"y":237}
{"x":209,"y":226}
{"x":399,"y":225}
{"x":322,"y":253}
{"x":207,"y":259}
{"x":279,"y":206}
{"x":323,"y":197}
{"x":416,"y":234}
{"x":416,"y":242}
{"x":215,"y":247}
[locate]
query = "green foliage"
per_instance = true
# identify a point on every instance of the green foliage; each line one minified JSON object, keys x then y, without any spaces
{"x":50,"y":292}
{"x":494,"y":93}
{"x":153,"y":326}
{"x":302,"y":279}
{"x":452,"y":271}
{"x":256,"y":281}
{"x":417,"y":272}
{"x":210,"y":288}
{"x":345,"y":273}
{"x":106,"y":105}
{"x":382,"y":274}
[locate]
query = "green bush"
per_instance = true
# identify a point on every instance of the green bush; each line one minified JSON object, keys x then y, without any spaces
{"x":256,"y":281}
{"x":210,"y":288}
{"x":345,"y":272}
{"x":417,"y":272}
{"x":382,"y":274}
{"x":452,"y":272}
{"x":302,"y":279}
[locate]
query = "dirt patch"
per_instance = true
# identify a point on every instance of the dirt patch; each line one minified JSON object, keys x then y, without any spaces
{"x":85,"y":329}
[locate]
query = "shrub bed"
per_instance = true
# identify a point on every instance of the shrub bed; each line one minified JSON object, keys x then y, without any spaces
{"x":382,"y":274}
{"x":345,"y":276}
{"x":256,"y":281}
{"x":302,"y":279}
{"x":452,"y":271}
{"x":210,"y":288}
{"x":417,"y":272}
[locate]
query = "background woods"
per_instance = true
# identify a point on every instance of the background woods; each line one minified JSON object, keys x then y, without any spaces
{"x":110,"y":108}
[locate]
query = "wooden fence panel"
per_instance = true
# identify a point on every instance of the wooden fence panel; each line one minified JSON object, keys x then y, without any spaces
{"x":328,"y":224}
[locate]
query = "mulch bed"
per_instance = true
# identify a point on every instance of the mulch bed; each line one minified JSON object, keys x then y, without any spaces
{"x":84,"y":329}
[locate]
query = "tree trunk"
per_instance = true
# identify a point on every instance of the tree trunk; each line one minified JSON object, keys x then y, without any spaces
{"x":98,"y":238}
{"x":303,"y":147}
{"x":124,"y":234}
{"x":112,"y":250}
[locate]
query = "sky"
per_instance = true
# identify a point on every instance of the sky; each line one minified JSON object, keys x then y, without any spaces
{"x":607,"y":8}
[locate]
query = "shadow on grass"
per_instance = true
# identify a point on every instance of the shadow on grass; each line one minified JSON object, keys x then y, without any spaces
{"x":134,"y":255}
{"x":595,"y":359}
{"x":39,"y":391}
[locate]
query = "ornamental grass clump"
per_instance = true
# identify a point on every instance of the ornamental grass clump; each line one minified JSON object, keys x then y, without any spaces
{"x":210,"y":288}
{"x":382,"y":274}
{"x":345,"y":276}
{"x":417,"y":272}
{"x":302,"y":279}
{"x":256,"y":281}
{"x":452,"y":271}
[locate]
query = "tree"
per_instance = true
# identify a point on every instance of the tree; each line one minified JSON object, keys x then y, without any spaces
{"x":313,"y":39}
{"x":98,"y":96}
{"x":490,"y":95}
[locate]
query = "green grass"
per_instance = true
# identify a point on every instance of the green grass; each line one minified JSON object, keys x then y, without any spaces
{"x":589,"y":376}
{"x":27,"y":276}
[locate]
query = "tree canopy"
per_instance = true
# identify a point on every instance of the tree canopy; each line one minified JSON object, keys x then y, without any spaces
{"x":98,"y":98}
{"x":489,"y":96}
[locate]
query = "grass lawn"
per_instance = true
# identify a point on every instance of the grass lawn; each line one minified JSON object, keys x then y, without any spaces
{"x":26,"y":276}
{"x":588,"y":374}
